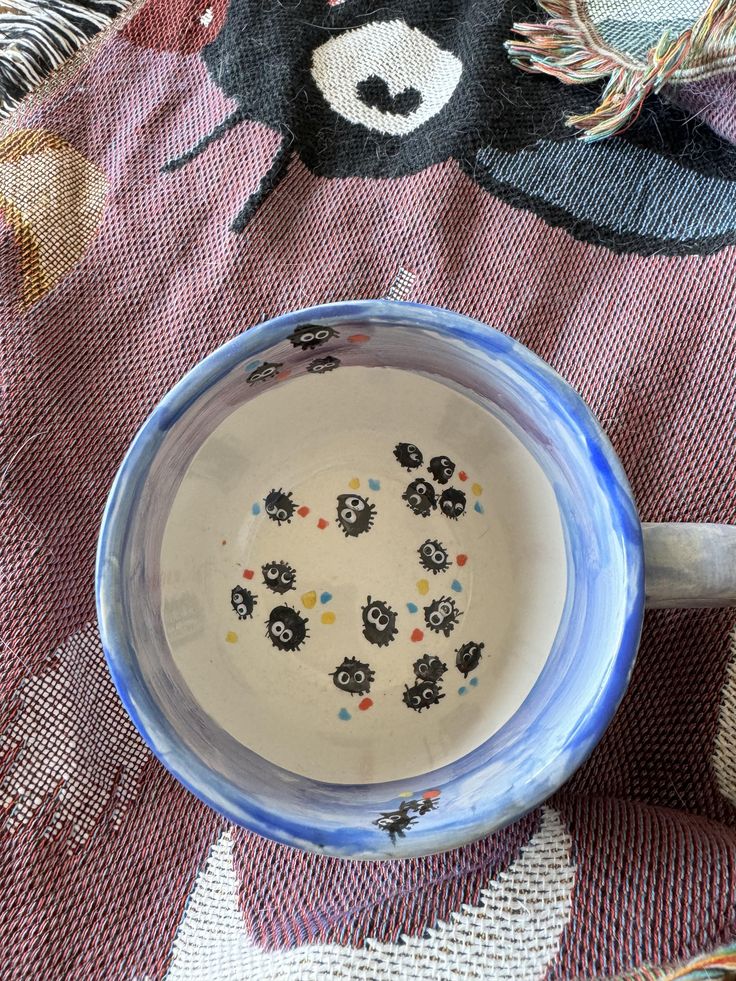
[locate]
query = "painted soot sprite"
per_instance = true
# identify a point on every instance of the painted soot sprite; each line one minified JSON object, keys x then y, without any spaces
{"x":322,"y":365}
{"x":396,"y":823}
{"x":420,"y":497}
{"x":433,"y":556}
{"x":265,"y":371}
{"x":279,"y":506}
{"x":429,"y":668}
{"x":467,"y":657}
{"x":279,"y":576}
{"x":286,"y":629}
{"x":441,"y":468}
{"x":422,"y":695}
{"x":355,"y":514}
{"x":441,"y":615}
{"x":242,"y":601}
{"x":452,"y":503}
{"x":409,"y":456}
{"x":308,"y":336}
{"x":379,"y":622}
{"x":353,"y":676}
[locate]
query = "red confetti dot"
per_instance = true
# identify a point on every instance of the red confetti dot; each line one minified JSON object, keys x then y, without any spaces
{"x":417,"y":635}
{"x":462,"y":475}
{"x":358,"y":338}
{"x":461,"y":559}
{"x":322,"y":523}
{"x":284,"y":374}
{"x":365,"y":704}
{"x":303,"y":511}
{"x":430,"y":794}
{"x":247,"y":573}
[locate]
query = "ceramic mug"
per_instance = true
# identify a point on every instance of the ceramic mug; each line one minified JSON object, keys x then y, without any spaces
{"x":370,"y":579}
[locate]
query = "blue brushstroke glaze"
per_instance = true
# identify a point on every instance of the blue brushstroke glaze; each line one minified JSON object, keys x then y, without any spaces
{"x":325,"y":597}
{"x":412,"y":607}
{"x":456,"y":586}
{"x":344,"y":715}
{"x":256,"y":509}
{"x":374,"y":484}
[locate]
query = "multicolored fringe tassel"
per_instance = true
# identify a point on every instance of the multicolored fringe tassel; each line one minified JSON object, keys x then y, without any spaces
{"x":569,"y":48}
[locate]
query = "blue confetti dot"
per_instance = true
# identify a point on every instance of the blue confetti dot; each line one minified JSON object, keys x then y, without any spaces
{"x":479,"y":507}
{"x":344,"y":715}
{"x":461,"y":690}
{"x":473,"y":682}
{"x":456,"y":586}
{"x":256,"y":509}
{"x":252,"y":365}
{"x":325,"y":597}
{"x":374,"y":484}
{"x":412,"y":607}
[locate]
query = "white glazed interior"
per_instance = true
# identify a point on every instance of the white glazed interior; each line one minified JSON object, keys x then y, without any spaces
{"x":317,"y":436}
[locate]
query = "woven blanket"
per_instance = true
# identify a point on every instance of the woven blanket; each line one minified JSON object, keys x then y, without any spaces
{"x":567,"y":175}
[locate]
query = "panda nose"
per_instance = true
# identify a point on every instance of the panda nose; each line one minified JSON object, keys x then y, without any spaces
{"x":374,"y":92}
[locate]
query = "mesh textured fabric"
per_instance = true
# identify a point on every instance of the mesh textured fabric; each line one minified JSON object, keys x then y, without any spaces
{"x":108,"y":868}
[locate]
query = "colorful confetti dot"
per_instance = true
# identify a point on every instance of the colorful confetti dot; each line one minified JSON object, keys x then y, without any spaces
{"x":231,"y":636}
{"x":417,"y":635}
{"x":256,"y":509}
{"x":461,"y":559}
{"x":431,"y":794}
{"x":406,"y":793}
{"x":477,"y":490}
{"x":247,"y":573}
{"x":325,"y":597}
{"x":328,"y":618}
{"x":344,"y":715}
{"x":422,"y":587}
{"x":354,"y":484}
{"x":365,"y":704}
{"x":252,"y":365}
{"x":456,"y":586}
{"x":284,"y":374}
{"x":374,"y":484}
{"x":473,"y":682}
{"x":462,"y":475}
{"x":309,"y":599}
{"x":358,"y":338}
{"x":412,"y":607}
{"x":479,"y":507}
{"x":322,"y":524}
{"x":461,"y":690}
{"x":303,"y":511}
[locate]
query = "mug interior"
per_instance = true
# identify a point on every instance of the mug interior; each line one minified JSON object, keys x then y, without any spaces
{"x":378,"y":700}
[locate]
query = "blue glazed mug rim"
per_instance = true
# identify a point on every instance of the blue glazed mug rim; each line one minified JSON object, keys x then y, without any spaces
{"x":199,"y":777}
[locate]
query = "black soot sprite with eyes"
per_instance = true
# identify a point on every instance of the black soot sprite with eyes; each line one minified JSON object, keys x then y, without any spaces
{"x":355,"y":514}
{"x":279,"y":506}
{"x":452,"y":503}
{"x":441,"y":468}
{"x":353,"y":676}
{"x":409,"y":456}
{"x":379,"y":622}
{"x":467,"y":657}
{"x":279,"y":577}
{"x":265,"y":371}
{"x":321,"y":366}
{"x":286,"y":629}
{"x":441,"y":615}
{"x":420,"y":497}
{"x":242,"y":602}
{"x":308,"y":336}
{"x":396,"y":823}
{"x":429,"y":668}
{"x":422,"y":695}
{"x":433,"y":556}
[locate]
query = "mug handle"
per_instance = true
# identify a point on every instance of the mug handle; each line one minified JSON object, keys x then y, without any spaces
{"x":689,"y":565}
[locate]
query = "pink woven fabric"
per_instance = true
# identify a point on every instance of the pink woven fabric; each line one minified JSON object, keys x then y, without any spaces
{"x":100,"y":847}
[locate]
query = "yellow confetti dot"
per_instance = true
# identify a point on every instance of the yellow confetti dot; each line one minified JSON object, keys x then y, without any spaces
{"x":423,"y":587}
{"x":406,"y":793}
{"x":477,"y":489}
{"x":354,"y":483}
{"x":309,"y":599}
{"x":231,"y":636}
{"x":328,"y":618}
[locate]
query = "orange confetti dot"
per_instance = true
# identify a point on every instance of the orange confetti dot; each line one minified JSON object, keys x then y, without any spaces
{"x":328,"y":618}
{"x":303,"y":511}
{"x":322,"y":523}
{"x":365,"y":704}
{"x":461,"y":559}
{"x":430,"y":794}
{"x":231,"y":636}
{"x":417,"y":635}
{"x":358,"y":338}
{"x":423,"y":587}
{"x":284,"y":374}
